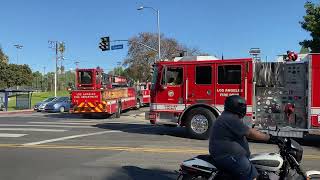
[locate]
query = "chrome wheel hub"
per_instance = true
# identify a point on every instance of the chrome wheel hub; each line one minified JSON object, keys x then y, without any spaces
{"x":199,"y":124}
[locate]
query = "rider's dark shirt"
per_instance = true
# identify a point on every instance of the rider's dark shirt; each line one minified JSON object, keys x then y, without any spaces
{"x":228,"y":137}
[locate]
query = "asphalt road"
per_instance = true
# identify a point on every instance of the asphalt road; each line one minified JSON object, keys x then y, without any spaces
{"x":62,"y":146}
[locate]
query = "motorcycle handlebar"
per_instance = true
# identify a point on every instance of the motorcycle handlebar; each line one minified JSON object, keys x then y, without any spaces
{"x":277,"y":140}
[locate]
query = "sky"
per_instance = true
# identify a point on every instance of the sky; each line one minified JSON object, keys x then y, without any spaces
{"x":228,"y":27}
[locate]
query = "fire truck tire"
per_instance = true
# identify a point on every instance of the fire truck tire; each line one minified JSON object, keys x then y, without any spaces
{"x":199,"y":122}
{"x":118,"y":113}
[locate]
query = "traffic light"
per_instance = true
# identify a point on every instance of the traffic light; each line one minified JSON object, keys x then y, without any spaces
{"x":105,"y":44}
{"x":151,"y":69}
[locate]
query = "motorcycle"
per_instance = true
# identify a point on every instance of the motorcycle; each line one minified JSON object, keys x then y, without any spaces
{"x":283,"y":165}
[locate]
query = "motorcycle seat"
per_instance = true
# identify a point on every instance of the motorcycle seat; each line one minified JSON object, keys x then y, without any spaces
{"x":206,"y":158}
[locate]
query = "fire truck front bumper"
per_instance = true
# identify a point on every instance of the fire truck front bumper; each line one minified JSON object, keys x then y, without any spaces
{"x":162,"y":118}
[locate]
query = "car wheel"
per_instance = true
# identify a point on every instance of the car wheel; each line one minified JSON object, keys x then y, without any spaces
{"x":199,"y":122}
{"x":61,"y":109}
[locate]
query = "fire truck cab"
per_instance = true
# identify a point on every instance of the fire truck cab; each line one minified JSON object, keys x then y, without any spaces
{"x":143,"y":94}
{"x":190,"y":92}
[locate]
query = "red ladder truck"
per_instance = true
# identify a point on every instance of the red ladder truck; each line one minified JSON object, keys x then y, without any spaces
{"x":97,"y":93}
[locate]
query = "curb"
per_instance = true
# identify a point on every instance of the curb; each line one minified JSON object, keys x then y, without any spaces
{"x":27,"y":111}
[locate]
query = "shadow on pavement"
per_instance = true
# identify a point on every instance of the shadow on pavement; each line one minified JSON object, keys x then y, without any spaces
{"x":128,"y":112}
{"x":76,"y":116}
{"x":145,"y":129}
{"x":137,"y":173}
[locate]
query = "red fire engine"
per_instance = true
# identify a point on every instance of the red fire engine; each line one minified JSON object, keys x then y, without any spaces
{"x":190,"y":92}
{"x":143,"y":91}
{"x":100,"y":93}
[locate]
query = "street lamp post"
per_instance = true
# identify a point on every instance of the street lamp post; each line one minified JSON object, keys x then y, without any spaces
{"x":18,"y":46}
{"x":54,"y":45}
{"x":158,"y":26}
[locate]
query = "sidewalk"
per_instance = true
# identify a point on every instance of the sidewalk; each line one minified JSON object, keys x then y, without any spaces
{"x":25,"y":111}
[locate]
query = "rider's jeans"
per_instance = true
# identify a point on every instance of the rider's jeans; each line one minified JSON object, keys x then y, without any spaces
{"x":239,"y":167}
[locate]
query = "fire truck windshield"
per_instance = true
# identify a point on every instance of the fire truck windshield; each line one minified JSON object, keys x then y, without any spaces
{"x":154,"y":77}
{"x":85,"y":77}
{"x":172,"y":76}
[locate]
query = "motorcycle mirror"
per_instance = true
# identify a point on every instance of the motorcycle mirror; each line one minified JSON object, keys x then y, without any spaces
{"x":277,"y":130}
{"x":253,"y":125}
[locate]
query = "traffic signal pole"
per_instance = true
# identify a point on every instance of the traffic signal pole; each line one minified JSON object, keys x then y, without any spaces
{"x":55,"y":74}
{"x":153,"y":49}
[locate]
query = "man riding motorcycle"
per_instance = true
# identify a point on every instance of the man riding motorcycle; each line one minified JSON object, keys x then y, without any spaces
{"x":228,"y":144}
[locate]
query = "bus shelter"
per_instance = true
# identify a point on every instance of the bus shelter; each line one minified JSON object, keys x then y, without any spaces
{"x":23,"y":99}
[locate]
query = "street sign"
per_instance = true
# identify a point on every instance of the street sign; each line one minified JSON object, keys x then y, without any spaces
{"x":118,"y":46}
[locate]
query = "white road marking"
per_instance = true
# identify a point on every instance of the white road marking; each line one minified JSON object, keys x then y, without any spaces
{"x":32,"y":129}
{"x":11,"y":135}
{"x":80,"y":121}
{"x":127,"y":123}
{"x":67,"y":137}
{"x":41,"y":125}
{"x":65,"y":123}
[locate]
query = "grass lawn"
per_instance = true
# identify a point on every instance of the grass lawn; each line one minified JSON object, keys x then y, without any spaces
{"x":36,"y":97}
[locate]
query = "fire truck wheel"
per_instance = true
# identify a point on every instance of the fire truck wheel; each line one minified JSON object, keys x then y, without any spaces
{"x":117,"y":114}
{"x":199,"y":122}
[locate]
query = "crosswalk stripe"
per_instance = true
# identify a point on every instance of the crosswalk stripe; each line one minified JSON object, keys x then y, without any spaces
{"x":42,"y":125}
{"x":69,"y":137}
{"x":85,"y":121}
{"x":11,"y":135}
{"x":32,"y":129}
{"x":66,"y":123}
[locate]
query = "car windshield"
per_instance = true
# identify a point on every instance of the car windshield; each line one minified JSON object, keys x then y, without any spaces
{"x":49,"y":99}
{"x":60,"y":99}
{"x":85,"y":77}
{"x":154,"y":77}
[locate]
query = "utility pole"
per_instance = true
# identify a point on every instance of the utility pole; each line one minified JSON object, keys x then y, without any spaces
{"x":54,"y":45}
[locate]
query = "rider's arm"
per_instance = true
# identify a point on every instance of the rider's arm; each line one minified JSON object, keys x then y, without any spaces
{"x":256,"y":135}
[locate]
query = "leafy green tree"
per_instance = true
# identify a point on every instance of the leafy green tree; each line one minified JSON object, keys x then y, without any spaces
{"x":311,"y":23}
{"x":3,"y":57}
{"x":139,"y":57}
{"x":50,"y":81}
{"x":3,"y":75}
{"x":15,"y":75}
{"x":119,"y":71}
{"x":20,"y":75}
{"x":37,"y":81}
